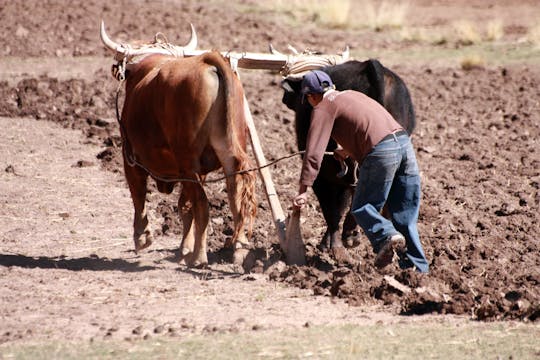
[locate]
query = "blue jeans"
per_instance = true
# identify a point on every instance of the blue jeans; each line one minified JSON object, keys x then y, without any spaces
{"x":389,"y":174}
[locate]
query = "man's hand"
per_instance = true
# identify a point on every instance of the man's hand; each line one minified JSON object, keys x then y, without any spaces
{"x":340,"y":154}
{"x":301,"y":199}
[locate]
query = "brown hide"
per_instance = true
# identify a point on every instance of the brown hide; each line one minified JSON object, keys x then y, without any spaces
{"x":183,"y":118}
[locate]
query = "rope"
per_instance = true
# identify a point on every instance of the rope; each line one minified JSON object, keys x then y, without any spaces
{"x":130,"y":159}
{"x":296,"y":67}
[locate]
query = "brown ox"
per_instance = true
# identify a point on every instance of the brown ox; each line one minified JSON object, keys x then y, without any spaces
{"x":183,"y":118}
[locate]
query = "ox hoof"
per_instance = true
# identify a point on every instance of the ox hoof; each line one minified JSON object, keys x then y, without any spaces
{"x":342,"y":256}
{"x":239,"y":256}
{"x":352,"y":242}
{"x":194,"y":264}
{"x":199,"y":265}
{"x":351,"y":238}
{"x":185,"y":257}
{"x":143,"y":243}
{"x":249,"y":261}
{"x":190,"y":260}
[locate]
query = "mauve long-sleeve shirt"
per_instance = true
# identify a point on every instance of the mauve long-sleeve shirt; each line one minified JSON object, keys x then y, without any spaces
{"x":353,"y":120}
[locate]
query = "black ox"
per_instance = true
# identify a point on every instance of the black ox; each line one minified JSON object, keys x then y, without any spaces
{"x":335,"y":194}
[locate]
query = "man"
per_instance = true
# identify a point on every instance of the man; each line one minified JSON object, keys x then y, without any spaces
{"x":388,"y":171}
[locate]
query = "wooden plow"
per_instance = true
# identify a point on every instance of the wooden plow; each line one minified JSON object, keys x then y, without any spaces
{"x":289,"y":232}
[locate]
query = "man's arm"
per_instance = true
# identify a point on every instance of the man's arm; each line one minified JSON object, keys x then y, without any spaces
{"x":318,"y":137}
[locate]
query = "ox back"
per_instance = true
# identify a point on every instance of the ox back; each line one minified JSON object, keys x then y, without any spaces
{"x":334,"y":194}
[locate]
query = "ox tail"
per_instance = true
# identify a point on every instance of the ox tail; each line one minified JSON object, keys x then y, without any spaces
{"x":237,"y":132}
{"x":248,"y":208}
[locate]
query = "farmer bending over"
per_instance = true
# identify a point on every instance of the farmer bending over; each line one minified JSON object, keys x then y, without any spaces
{"x":388,"y":173}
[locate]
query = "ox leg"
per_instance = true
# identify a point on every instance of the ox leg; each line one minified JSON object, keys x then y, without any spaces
{"x":240,"y":191}
{"x":350,"y":234}
{"x":335,"y":199}
{"x":193,"y":208}
{"x":328,"y":195}
{"x":137,"y":180}
{"x":239,"y":241}
{"x":239,"y":238}
{"x":185,"y":209}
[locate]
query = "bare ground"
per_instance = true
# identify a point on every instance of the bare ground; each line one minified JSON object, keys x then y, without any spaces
{"x":78,"y":279}
{"x":66,"y":261}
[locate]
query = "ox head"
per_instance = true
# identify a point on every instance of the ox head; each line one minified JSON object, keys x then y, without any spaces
{"x":131,"y":53}
{"x":298,"y":66}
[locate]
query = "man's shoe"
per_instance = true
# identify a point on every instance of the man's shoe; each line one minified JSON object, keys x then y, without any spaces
{"x":392,"y":245}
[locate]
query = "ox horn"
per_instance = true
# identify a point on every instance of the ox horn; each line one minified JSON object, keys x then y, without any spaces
{"x":273,"y":50}
{"x":346,"y":54}
{"x":292,"y":49}
{"x":192,"y":44}
{"x":107,"y":41}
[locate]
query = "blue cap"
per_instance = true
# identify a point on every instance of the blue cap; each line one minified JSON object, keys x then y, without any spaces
{"x":316,"y":82}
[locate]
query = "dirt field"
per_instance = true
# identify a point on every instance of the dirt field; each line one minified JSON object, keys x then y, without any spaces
{"x":67,"y":268}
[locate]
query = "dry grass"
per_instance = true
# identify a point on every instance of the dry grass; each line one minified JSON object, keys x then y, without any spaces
{"x":333,"y":13}
{"x":533,"y":35}
{"x":420,"y":35}
{"x":404,"y":341}
{"x":466,"y":33}
{"x":494,"y":30}
{"x":385,"y":14}
{"x":461,"y":32}
{"x":344,"y":14}
{"x":473,"y":61}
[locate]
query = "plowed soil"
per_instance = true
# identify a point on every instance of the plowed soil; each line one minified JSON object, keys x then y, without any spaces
{"x":67,"y":268}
